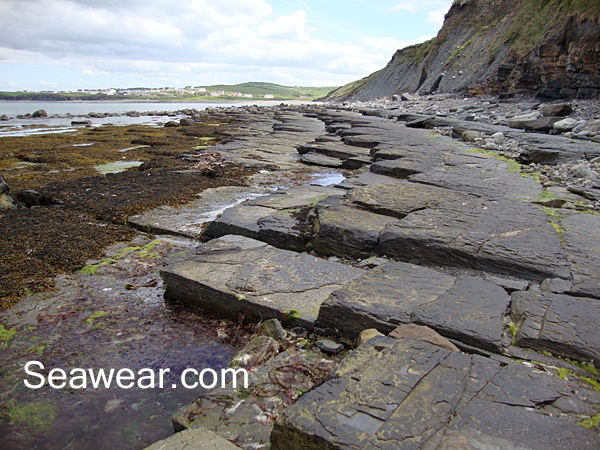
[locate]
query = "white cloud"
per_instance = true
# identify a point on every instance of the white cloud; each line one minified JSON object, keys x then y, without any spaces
{"x":201,"y":41}
{"x":437,"y":16}
{"x":286,"y":27}
{"x":405,"y":6}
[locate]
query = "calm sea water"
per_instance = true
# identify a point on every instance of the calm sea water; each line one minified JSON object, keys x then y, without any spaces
{"x":21,"y":127}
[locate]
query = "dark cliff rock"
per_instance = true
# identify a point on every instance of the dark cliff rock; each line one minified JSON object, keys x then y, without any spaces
{"x":546,"y":47}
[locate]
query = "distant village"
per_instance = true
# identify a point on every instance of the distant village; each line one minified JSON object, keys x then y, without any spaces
{"x":159,"y":92}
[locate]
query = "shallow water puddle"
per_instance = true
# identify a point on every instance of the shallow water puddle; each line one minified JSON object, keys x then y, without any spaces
{"x":111,"y":314}
{"x":327,"y":179}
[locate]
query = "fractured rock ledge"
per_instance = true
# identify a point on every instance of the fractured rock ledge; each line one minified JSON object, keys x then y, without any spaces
{"x":238,"y":276}
{"x":432,"y":398}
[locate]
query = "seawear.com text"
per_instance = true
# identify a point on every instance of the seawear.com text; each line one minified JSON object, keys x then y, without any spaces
{"x":126,"y":378}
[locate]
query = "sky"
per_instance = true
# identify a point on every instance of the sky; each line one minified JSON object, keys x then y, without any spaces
{"x":92,"y":44}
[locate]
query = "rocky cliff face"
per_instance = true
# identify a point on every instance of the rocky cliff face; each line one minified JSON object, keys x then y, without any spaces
{"x":546,"y":47}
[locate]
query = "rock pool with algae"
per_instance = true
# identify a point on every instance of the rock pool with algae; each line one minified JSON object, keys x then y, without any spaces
{"x":110,"y":314}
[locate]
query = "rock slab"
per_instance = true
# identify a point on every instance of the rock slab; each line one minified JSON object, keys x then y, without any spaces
{"x":565,"y":325}
{"x":242,"y":277}
{"x":408,"y":394}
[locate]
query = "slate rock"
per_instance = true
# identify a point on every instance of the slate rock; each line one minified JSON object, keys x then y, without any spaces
{"x":471,"y":311}
{"x":409,"y":394}
{"x":581,"y":240}
{"x":241,"y":220}
{"x":382,"y":298}
{"x":367,"y":334}
{"x":346,"y":231}
{"x":481,"y":175}
{"x":400,"y":198}
{"x":500,"y":236}
{"x":562,"y":324}
{"x":400,"y":168}
{"x":235,"y":275}
{"x":493,"y":425}
{"x":329,"y":346}
{"x":198,"y":438}
{"x":364,"y":179}
{"x":272,"y":328}
{"x":565,"y":125}
{"x":422,"y":333}
{"x":318,"y":159}
{"x":562,"y":109}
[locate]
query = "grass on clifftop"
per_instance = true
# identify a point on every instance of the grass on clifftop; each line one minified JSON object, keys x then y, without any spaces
{"x":538,"y":17}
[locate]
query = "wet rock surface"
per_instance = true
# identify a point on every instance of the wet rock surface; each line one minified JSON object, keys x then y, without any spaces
{"x":486,"y":245}
{"x":433,"y":399}
{"x":237,"y":276}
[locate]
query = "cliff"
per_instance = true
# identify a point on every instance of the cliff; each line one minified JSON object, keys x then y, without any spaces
{"x":550,"y":48}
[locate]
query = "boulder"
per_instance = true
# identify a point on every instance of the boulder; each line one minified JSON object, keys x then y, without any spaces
{"x":171,"y":124}
{"x":543,"y":124}
{"x":367,"y":334}
{"x":4,"y":118}
{"x":470,"y":136}
{"x":40,"y":113}
{"x":562,"y":109}
{"x":565,"y":125}
{"x":186,"y":122}
{"x":272,"y":328}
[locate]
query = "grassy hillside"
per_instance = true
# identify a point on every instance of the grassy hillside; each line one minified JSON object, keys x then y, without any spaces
{"x":257,"y":89}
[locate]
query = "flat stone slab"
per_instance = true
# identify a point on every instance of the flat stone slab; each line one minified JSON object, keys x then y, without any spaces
{"x":197,"y":439}
{"x":295,"y":197}
{"x":318,"y":159}
{"x":382,"y":298}
{"x":272,"y":218}
{"x":343,"y":230}
{"x":400,"y":198}
{"x":235,"y":275}
{"x":581,"y":240}
{"x":401,"y":168}
{"x":501,"y":236}
{"x":565,"y":325}
{"x":365,"y":179}
{"x":482,"y":175}
{"x":409,"y":394}
{"x":471,"y":311}
{"x":189,"y":219}
{"x":334,"y":150}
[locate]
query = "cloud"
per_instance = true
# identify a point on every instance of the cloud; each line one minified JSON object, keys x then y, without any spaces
{"x":437,"y":16}
{"x":405,"y":6}
{"x":201,"y":41}
{"x":286,"y":27}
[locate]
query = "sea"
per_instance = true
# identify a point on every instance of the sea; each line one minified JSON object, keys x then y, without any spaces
{"x":57,"y":122}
